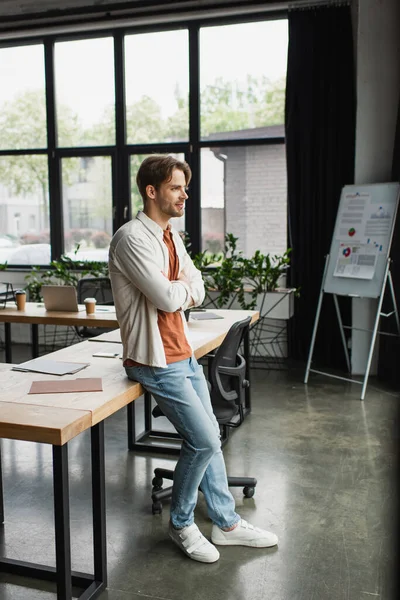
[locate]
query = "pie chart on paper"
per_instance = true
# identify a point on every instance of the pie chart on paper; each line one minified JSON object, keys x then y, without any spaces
{"x":346,"y":252}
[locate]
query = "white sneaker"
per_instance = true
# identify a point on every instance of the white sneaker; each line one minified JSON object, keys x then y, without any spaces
{"x":244,"y":534}
{"x":193,"y":543}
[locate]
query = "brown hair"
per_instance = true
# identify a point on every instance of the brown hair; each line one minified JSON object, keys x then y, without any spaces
{"x":156,"y":169}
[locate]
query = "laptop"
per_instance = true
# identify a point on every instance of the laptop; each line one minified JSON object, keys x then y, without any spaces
{"x":60,"y":298}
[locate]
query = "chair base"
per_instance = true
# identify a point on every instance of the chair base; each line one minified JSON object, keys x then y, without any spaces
{"x":159,"y":493}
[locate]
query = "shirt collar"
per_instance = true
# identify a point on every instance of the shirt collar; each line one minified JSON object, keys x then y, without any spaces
{"x":151,"y":225}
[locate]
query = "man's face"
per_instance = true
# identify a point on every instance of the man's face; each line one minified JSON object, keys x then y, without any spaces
{"x":171,"y":196}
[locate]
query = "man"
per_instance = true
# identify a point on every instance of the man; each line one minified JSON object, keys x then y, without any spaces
{"x":154,"y":281}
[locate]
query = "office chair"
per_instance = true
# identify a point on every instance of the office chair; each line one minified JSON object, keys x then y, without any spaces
{"x":6,"y":293}
{"x":94,"y":287}
{"x":226,"y":373}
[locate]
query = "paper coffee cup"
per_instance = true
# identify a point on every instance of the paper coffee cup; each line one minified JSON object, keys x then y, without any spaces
{"x":90,"y":304}
{"x":20,"y":299}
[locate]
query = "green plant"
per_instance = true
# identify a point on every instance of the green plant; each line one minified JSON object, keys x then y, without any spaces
{"x":262,"y":273}
{"x":3,"y":267}
{"x":222,"y":272}
{"x":65,"y":271}
{"x":34,"y":284}
{"x":203,"y":260}
{"x":236,"y":277}
{"x":227,"y":275}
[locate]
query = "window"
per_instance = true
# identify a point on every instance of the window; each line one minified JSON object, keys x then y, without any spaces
{"x":157,"y":87}
{"x":243,"y":192}
{"x":25,"y":221}
{"x":85,"y":94}
{"x":242,"y":78}
{"x":242,"y":94}
{"x":87,"y":203}
{"x":22,"y":98}
{"x":66,"y":150}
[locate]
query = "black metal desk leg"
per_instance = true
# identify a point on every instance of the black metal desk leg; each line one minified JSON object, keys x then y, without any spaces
{"x":246,"y":352}
{"x":99,"y":504}
{"x":131,"y":425}
{"x":147,"y":411}
{"x":149,"y":440}
{"x":35,"y":340}
{"x":62,"y":522}
{"x":132,"y":421}
{"x":1,"y":492}
{"x":7,"y":341}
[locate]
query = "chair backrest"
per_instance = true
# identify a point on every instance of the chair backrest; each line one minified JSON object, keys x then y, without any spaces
{"x":95,"y":287}
{"x":227,"y":371}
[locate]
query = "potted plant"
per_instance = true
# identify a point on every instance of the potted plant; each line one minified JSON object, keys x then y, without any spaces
{"x":65,"y":271}
{"x":233,"y":281}
{"x":223,"y":275}
{"x":262,"y":274}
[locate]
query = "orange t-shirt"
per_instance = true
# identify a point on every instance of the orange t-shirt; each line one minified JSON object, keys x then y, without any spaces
{"x":176,"y":346}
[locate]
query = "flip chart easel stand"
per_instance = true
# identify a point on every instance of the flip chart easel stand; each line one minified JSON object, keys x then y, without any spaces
{"x":387,"y":278}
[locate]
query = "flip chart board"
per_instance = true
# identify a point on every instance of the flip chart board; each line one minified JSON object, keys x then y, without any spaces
{"x":361,"y":239}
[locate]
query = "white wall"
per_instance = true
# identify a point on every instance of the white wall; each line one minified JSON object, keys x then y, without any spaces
{"x":377,"y":36}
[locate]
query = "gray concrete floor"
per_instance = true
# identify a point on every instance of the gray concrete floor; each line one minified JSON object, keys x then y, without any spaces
{"x":325,"y":464}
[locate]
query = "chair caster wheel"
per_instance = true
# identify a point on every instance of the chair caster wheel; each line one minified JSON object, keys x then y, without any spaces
{"x":248,"y":491}
{"x":156,"y":508}
{"x":157,"y":482}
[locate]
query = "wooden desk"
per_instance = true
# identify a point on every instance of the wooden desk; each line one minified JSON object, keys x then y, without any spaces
{"x":205,"y":336}
{"x":57,"y":418}
{"x":35,"y":314}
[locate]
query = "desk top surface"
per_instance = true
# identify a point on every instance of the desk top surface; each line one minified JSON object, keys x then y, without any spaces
{"x":204,"y":335}
{"x":36,"y":314}
{"x":36,"y":423}
{"x":57,"y":418}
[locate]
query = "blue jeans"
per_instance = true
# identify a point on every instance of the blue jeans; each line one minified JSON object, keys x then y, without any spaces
{"x":182,"y":393}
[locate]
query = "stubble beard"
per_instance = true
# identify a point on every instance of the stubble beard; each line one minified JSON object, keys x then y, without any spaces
{"x":173,"y":212}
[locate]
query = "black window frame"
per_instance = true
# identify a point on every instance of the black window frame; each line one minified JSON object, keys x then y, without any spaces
{"x":121,"y":152}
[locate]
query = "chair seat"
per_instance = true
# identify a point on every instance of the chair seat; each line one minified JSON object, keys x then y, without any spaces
{"x":157,"y":412}
{"x":224,"y":412}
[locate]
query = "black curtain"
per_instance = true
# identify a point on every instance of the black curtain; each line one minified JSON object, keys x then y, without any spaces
{"x":389,"y":346}
{"x":320,"y":148}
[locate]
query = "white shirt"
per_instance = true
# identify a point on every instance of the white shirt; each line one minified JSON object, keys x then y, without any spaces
{"x":138,"y":267}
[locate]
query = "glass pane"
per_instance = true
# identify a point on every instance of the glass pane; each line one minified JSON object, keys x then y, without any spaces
{"x":243,"y":79}
{"x":157,"y":87}
{"x":87,"y":207}
{"x":243,"y":192}
{"x":136,"y":199}
{"x":85,"y":95}
{"x":22,"y":98}
{"x":24,"y":210}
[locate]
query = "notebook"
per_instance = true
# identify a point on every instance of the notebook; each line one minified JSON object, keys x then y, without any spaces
{"x":204,"y":316}
{"x":90,"y":384}
{"x":51,"y":367}
{"x":60,"y":298}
